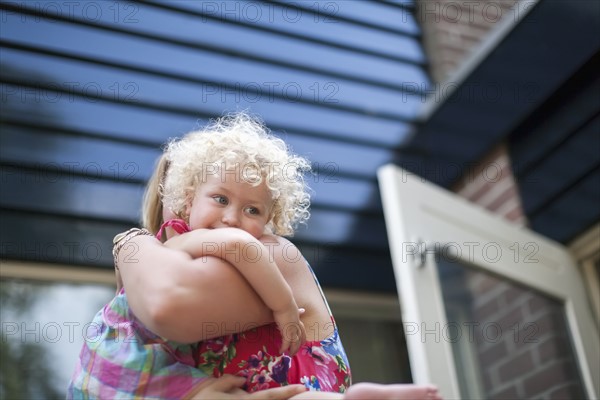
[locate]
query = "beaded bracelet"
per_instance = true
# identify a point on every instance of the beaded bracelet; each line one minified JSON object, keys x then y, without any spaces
{"x":121,"y":240}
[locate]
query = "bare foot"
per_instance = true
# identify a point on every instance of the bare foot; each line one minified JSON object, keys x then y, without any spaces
{"x":372,"y":391}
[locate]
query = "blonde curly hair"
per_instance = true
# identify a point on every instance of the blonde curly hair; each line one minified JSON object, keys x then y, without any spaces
{"x":241,"y":143}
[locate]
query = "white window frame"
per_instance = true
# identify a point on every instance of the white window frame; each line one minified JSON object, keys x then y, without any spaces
{"x":372,"y":355}
{"x":421,"y":218}
{"x":10,"y":269}
{"x":586,"y":250}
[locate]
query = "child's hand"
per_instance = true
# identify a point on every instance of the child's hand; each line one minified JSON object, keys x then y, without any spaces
{"x":292,"y":329}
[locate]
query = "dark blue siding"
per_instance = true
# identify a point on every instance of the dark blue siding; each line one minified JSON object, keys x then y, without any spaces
{"x":91,"y":90}
{"x":556,"y":156}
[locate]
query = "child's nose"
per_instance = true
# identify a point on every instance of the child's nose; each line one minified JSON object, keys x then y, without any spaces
{"x":231,"y":218}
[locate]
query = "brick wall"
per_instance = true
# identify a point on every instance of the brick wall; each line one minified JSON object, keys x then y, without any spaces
{"x":453,"y":29}
{"x":491,"y":184}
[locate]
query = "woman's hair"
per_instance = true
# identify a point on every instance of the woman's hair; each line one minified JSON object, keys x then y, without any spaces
{"x":152,"y":206}
{"x":242,"y":144}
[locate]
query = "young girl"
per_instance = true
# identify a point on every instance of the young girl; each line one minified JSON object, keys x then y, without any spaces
{"x":127,"y":359}
{"x":227,"y":186}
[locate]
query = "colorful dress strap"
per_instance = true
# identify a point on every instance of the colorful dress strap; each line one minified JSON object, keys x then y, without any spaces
{"x":178,"y":225}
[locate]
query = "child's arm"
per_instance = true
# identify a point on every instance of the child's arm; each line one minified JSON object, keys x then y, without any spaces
{"x":187,"y":300}
{"x":254,"y":262}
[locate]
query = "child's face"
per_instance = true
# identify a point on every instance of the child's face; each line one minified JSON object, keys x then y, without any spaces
{"x":227,"y":201}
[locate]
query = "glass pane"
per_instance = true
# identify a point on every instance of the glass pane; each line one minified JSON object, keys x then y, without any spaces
{"x":509,"y":341}
{"x":376,"y":350}
{"x":43,"y":325}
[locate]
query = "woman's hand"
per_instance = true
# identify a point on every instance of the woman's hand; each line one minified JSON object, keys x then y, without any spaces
{"x":228,"y":387}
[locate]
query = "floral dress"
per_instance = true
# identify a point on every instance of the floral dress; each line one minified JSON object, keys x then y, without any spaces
{"x":254,"y":354}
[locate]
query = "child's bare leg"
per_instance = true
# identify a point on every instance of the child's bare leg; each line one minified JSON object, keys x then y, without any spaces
{"x":369,"y":391}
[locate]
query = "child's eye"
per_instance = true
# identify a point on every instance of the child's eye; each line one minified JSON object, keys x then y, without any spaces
{"x":253,"y":210}
{"x":221,"y":199}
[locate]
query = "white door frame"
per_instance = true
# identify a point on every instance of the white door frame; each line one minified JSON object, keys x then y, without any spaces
{"x":422,"y":218}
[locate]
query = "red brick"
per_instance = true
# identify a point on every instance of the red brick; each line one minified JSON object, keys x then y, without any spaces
{"x":514,"y":294}
{"x":508,"y":393}
{"x":549,"y":323}
{"x":544,"y":379}
{"x":516,"y":367}
{"x":509,"y":193}
{"x":485,"y":311}
{"x":567,"y":392}
{"x":493,"y":354}
{"x":527,"y":335}
{"x":537,"y":303}
{"x":514,"y":214}
{"x":510,"y":319}
{"x":485,"y":283}
{"x":553,"y":348}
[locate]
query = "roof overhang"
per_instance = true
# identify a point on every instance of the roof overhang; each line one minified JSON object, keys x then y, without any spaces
{"x":513,"y":72}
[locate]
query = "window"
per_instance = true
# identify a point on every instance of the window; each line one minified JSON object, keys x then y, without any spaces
{"x":43,"y":324}
{"x":372,"y":334}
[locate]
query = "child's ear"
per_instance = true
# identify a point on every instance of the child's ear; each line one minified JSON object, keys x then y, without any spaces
{"x":185,"y":213}
{"x":187,"y":209}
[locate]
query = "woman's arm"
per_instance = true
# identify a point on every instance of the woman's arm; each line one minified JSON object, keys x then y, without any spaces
{"x":186,"y":299}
